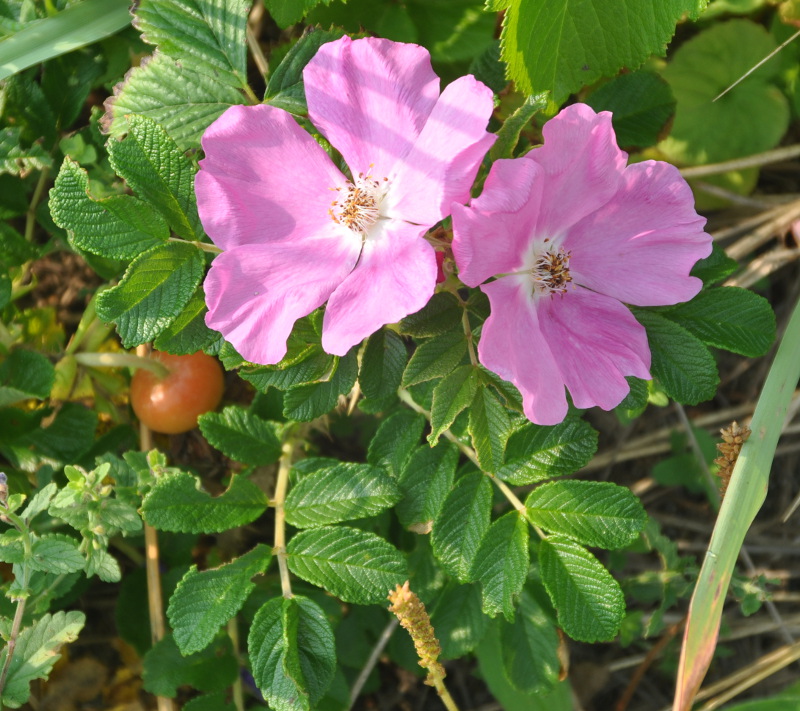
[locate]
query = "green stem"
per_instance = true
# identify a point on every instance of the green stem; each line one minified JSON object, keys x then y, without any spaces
{"x":205,"y":246}
{"x":122,"y":360}
{"x":30,"y":217}
{"x":281,"y":486}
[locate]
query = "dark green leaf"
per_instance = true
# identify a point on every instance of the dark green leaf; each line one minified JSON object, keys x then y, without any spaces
{"x":381,"y":371}
{"x":395,"y":441}
{"x":451,"y":396}
{"x":715,"y":267}
{"x":458,"y":620}
{"x":440,"y":315}
{"x":435,"y":357}
{"x":23,"y":375}
{"x":425,"y":482}
{"x":309,"y":401}
{"x":313,"y":366}
{"x":490,"y":427}
{"x":188,"y":333}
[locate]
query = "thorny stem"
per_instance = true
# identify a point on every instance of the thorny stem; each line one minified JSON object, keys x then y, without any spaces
{"x":284,"y":465}
{"x":469,"y":453}
{"x":154,"y":596}
{"x":122,"y":360}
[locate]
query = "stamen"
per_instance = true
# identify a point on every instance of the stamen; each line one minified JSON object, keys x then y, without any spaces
{"x":359,"y":208}
{"x":550,"y":272}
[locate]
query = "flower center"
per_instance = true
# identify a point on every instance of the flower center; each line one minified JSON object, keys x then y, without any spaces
{"x":550,"y":272}
{"x":358,"y":204}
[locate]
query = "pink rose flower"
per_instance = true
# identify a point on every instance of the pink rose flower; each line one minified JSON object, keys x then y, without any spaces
{"x":571,"y":234}
{"x":296,"y":232}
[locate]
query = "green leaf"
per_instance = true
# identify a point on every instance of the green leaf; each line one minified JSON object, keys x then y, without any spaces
{"x":80,"y":24}
{"x":441,"y":314}
{"x":194,"y":621}
{"x":501,"y":564}
{"x":210,"y":702}
{"x":535,"y":452}
{"x":314,"y":365}
{"x":589,"y":602}
{"x":11,"y":548}
{"x":683,"y":365}
{"x":435,"y":358}
{"x":490,"y":427}
{"x":425,"y":482}
{"x":343,"y":492}
{"x":117,"y":227}
{"x":750,"y":119}
{"x":451,"y":396}
{"x":166,"y":669}
{"x":15,"y":159}
{"x":355,"y":566}
{"x":208,"y":35}
{"x":287,"y":12}
{"x":176,"y":503}
{"x":14,"y":248}
{"x":23,"y":375}
{"x":530,"y":647}
{"x":242,"y":436}
{"x":56,"y":553}
{"x":458,"y":619}
{"x":595,"y":513}
{"x":306,"y":402}
{"x":642,"y":105}
{"x":188,"y":333}
{"x":38,"y":649}
{"x":285,"y":87}
{"x":102,"y":564}
{"x":461,"y":525}
{"x":508,"y":135}
{"x":395,"y":441}
{"x":381,"y":371}
{"x":489,"y":69}
{"x":557,"y":46}
{"x":291,"y":648}
{"x":715,"y":267}
{"x":155,"y":288}
{"x":39,"y":502}
{"x":183,"y":101}
{"x":728,"y":317}
{"x":158,"y":172}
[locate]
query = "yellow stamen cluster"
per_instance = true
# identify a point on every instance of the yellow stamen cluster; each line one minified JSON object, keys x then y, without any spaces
{"x":733,"y":438}
{"x":359,"y":208}
{"x":551,"y":272}
{"x":411,"y":612}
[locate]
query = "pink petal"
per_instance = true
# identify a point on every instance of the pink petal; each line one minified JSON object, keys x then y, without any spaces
{"x":582,"y":165}
{"x":596,"y":342}
{"x":513,"y":346}
{"x":491,"y":236}
{"x":370,"y":98}
{"x":395,"y":276}
{"x":641,"y":245}
{"x":263,"y":178}
{"x":256,"y":292}
{"x":441,"y":167}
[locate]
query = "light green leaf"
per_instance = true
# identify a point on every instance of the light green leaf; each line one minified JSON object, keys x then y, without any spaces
{"x":242,"y":436}
{"x":728,"y":317}
{"x":563,"y":45}
{"x":381,"y":370}
{"x":508,"y":135}
{"x":458,"y":619}
{"x":102,"y":564}
{"x":183,"y":101}
{"x":23,"y":375}
{"x":176,"y":503}
{"x":343,"y":492}
{"x":461,"y":525}
{"x":155,"y":288}
{"x":40,"y":501}
{"x":530,"y":647}
{"x":291,"y":648}
{"x":501,"y":564}
{"x":751,"y":118}
{"x":490,"y":427}
{"x":683,"y":365}
{"x":435,"y":358}
{"x":311,"y":400}
{"x":208,"y":35}
{"x":355,"y":566}
{"x":589,"y":602}
{"x":11,"y":548}
{"x":80,"y":24}
{"x":595,"y":513}
{"x":425,"y":482}
{"x":158,"y":172}
{"x":56,"y":553}
{"x":451,"y":396}
{"x":38,"y":649}
{"x":194,"y":621}
{"x":395,"y":441}
{"x":641,"y":104}
{"x":535,"y":452}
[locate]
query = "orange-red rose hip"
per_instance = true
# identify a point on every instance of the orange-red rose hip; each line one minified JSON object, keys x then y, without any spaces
{"x":173,"y":403}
